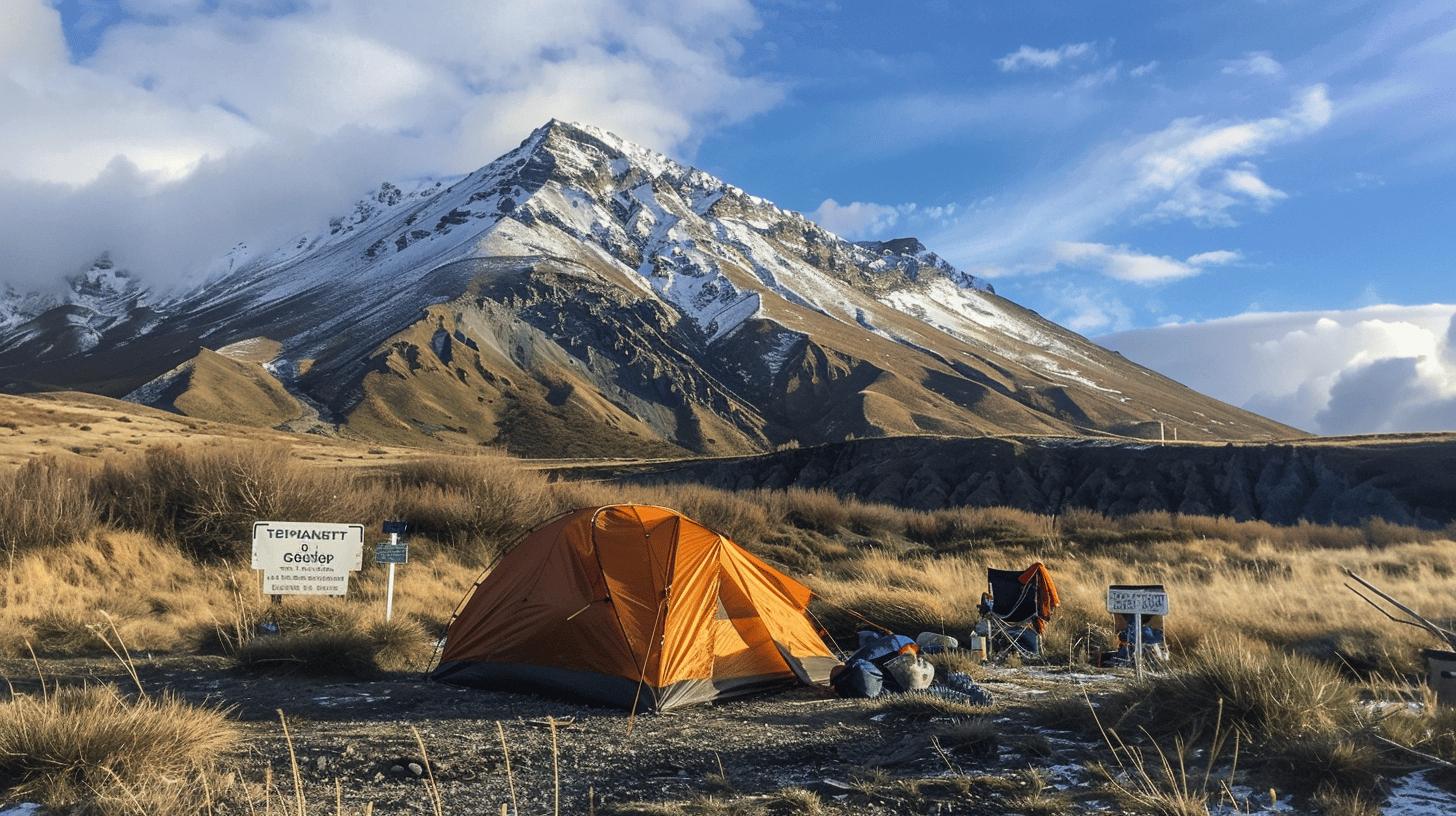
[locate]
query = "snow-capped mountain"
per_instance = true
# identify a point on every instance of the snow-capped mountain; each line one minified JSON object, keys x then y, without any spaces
{"x":583,"y":295}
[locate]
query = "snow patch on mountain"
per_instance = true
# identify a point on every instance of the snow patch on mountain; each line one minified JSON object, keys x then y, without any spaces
{"x":677,"y":232}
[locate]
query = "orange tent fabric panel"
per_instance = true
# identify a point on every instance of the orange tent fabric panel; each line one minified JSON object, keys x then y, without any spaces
{"x":633,"y":605}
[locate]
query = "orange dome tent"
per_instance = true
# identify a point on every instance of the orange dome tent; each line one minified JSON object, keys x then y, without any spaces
{"x":633,"y":605}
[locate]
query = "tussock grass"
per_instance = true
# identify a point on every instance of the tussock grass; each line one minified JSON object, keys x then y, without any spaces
{"x":92,"y":750}
{"x":206,"y":499}
{"x":342,"y":645}
{"x":159,"y":598}
{"x":1266,"y":695}
{"x":45,"y":503}
{"x":1428,"y":727}
{"x":922,"y":705}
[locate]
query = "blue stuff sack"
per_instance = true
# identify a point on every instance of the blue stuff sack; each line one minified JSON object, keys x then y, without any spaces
{"x":858,"y":678}
{"x":881,"y":649}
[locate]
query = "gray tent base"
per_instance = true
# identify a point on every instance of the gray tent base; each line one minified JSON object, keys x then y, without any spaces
{"x":592,"y":687}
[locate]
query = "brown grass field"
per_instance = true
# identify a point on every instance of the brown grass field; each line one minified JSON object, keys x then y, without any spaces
{"x":132,"y":542}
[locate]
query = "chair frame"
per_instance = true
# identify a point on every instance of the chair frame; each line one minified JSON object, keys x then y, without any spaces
{"x":1009,"y":633}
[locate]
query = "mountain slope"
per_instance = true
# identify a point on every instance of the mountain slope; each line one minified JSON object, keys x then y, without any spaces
{"x":584,"y":296}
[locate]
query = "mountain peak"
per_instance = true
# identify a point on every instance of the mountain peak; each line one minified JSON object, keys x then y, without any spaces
{"x":582,"y":287}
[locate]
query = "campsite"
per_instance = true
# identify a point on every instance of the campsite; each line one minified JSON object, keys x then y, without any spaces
{"x":320,"y":702}
{"x":727,"y":408}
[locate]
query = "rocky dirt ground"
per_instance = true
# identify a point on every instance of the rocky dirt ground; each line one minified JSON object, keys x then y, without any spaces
{"x":353,"y":740}
{"x":735,"y":756}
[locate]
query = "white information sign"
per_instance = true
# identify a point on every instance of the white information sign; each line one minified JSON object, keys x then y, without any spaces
{"x":1137,"y":600}
{"x":307,"y":558}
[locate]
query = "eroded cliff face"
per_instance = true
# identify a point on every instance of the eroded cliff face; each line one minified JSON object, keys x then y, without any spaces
{"x":1408,"y":482}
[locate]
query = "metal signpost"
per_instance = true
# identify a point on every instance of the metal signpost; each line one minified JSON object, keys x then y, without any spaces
{"x":1137,"y":601}
{"x":392,"y":553}
{"x":306,"y":558}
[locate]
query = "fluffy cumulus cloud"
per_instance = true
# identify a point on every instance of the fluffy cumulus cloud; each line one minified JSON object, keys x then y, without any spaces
{"x":1028,"y":58}
{"x":1121,"y":263}
{"x":1370,"y":370}
{"x":197,"y":124}
{"x":858,"y":220}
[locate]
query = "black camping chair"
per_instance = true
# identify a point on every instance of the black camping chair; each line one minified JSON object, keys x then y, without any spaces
{"x":1010,"y":610}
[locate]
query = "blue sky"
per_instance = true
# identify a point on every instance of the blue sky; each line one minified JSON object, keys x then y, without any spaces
{"x":1122,"y":168}
{"x":892,"y":107}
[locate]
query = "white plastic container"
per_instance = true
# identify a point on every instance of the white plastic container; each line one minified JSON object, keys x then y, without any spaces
{"x":911,"y":671}
{"x":931,"y":641}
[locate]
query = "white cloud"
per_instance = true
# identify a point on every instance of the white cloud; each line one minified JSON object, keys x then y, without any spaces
{"x":298,"y":108}
{"x":1086,"y":310}
{"x":1144,"y":69}
{"x":1027,"y":57}
{"x":1180,"y":172}
{"x":1121,"y":263}
{"x":1373,"y":369}
{"x":1245,"y":181}
{"x":1177,"y":163}
{"x":1218,"y":257}
{"x":1254,"y":63}
{"x":1095,"y":79}
{"x":858,"y":220}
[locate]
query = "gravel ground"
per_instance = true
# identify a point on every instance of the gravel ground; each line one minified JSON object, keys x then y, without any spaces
{"x":357,"y":734}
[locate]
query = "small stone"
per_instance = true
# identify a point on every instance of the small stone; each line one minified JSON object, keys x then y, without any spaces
{"x":416,"y":769}
{"x":397,"y":770}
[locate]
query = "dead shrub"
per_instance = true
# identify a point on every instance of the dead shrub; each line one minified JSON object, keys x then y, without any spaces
{"x":207,"y":499}
{"x":45,"y":503}
{"x":91,"y":750}
{"x":819,"y":510}
{"x":471,"y":504}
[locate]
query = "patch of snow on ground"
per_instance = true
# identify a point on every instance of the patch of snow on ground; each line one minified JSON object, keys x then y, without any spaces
{"x":22,"y":809}
{"x":1057,"y":370}
{"x":1416,"y":796}
{"x":243,"y":348}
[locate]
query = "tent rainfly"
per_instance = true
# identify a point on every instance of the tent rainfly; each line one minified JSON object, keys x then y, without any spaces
{"x":633,"y":606}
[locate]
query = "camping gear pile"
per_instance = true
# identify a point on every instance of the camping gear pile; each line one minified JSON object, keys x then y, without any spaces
{"x":890,"y":663}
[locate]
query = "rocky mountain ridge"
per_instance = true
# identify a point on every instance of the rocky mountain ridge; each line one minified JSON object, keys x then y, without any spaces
{"x":583,"y":295}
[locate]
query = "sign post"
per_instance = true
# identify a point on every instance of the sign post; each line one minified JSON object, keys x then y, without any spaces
{"x":306,"y":558}
{"x":1149,"y":599}
{"x":393,"y":553}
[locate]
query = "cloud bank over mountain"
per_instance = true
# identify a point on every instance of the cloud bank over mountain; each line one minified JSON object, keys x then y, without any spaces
{"x":1370,"y":370}
{"x":191,"y":126}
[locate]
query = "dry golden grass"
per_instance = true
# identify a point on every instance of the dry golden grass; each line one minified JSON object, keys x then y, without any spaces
{"x":350,"y":650}
{"x":79,"y":427}
{"x":92,"y":750}
{"x":907,"y":570}
{"x":159,"y":599}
